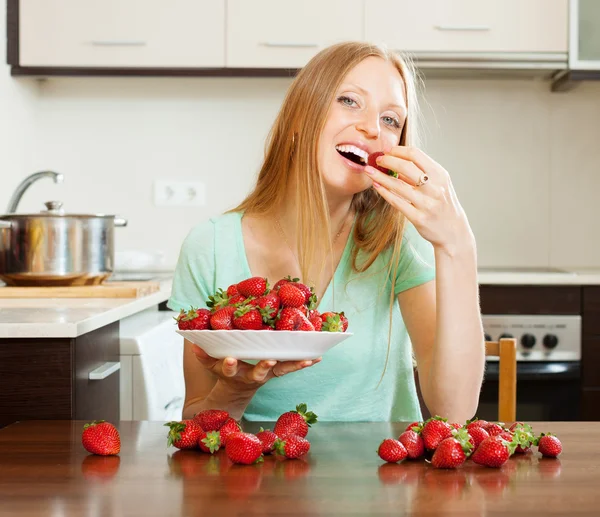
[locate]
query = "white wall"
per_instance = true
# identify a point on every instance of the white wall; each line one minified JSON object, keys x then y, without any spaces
{"x":524,"y":160}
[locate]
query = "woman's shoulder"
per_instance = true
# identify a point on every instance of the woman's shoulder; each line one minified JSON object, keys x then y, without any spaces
{"x":204,"y":233}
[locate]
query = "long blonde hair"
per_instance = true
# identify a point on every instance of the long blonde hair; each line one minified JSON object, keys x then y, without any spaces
{"x":291,"y":161}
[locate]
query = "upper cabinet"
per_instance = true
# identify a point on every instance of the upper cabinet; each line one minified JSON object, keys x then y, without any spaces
{"x":121,"y":33}
{"x":446,"y":27}
{"x":584,"y":44}
{"x":286,"y":33}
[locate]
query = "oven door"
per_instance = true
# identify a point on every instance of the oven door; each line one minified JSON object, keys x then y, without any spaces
{"x":546,"y":391}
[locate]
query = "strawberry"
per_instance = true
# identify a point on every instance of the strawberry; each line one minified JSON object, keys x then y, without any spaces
{"x":316,"y":322}
{"x":344,"y":321}
{"x":222,"y":319}
{"x":270,"y":300}
{"x":494,"y":429}
{"x":392,"y":451}
{"x":227,"y":429}
{"x":247,"y":317}
{"x":289,"y":318}
{"x":413,"y":444}
{"x":372,"y":161}
{"x":456,"y":426}
{"x":306,"y":325}
{"x":101,"y":437}
{"x":291,"y":296}
{"x":477,"y":434}
{"x":477,"y":423}
{"x":218,"y":300}
{"x":194,"y":319}
{"x":254,"y":286}
{"x":523,"y":435}
{"x":434,"y":431}
{"x":295,"y":422}
{"x":332,"y":322}
{"x":232,"y":290}
{"x":419,"y":425}
{"x":209,"y":441}
{"x":211,"y":419}
{"x":492,"y":452}
{"x":236,"y":300}
{"x":244,"y":448}
{"x":285,"y":280}
{"x":549,"y":445}
{"x":184,"y":434}
{"x":452,"y":452}
{"x":268,"y":439}
{"x":292,"y":446}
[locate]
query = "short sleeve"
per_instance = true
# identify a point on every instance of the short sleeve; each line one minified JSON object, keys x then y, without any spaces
{"x":194,"y":275}
{"x":417,"y":261}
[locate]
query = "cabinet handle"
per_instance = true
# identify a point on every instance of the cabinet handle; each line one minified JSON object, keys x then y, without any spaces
{"x":288,"y":44}
{"x":116,"y":43}
{"x":463,"y":28}
{"x":102,"y":372}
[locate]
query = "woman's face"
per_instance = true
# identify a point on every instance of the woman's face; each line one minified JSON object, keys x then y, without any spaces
{"x":367,"y":115}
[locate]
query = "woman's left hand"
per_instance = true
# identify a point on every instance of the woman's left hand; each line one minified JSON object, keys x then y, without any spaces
{"x":424,"y":193}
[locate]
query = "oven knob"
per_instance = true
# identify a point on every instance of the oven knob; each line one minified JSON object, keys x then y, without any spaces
{"x":487,"y":337}
{"x":505,"y":336}
{"x":527,"y":340}
{"x":550,"y":341}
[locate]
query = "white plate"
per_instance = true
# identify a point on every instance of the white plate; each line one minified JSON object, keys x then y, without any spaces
{"x":279,"y":345}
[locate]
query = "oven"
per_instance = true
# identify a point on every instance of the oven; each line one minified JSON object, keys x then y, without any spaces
{"x":548,"y":366}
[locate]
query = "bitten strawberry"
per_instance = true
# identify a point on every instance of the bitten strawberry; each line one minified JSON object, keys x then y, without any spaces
{"x":183,"y":434}
{"x":434,"y":431}
{"x":244,"y":448}
{"x":222,"y":319}
{"x":295,"y":422}
{"x":452,"y":452}
{"x":549,"y":445}
{"x":292,"y":446}
{"x":268,"y":439}
{"x":101,"y":437}
{"x":372,"y":161}
{"x":254,"y":286}
{"x":392,"y":451}
{"x":291,"y":296}
{"x":211,"y":419}
{"x":492,"y":452}
{"x":413,"y":443}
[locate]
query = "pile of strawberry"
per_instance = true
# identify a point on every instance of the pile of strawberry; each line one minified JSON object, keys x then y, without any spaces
{"x":252,"y":305}
{"x":448,"y":446}
{"x":213,"y":429}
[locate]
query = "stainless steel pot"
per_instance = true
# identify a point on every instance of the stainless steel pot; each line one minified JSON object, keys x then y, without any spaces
{"x":54,"y":248}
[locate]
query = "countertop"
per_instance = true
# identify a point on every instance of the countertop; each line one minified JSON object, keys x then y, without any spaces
{"x":70,"y":317}
{"x":44,"y":471}
{"x":538,"y":276}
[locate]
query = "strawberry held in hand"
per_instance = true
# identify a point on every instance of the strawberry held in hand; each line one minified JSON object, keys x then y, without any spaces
{"x":100,"y":437}
{"x":295,"y":422}
{"x":372,"y":161}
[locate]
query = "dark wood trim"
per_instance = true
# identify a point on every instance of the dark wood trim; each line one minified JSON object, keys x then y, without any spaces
{"x":530,"y":299}
{"x":152,"y":72}
{"x":12,"y":32}
{"x":591,"y":311}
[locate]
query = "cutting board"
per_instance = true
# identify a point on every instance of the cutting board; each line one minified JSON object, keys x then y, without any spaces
{"x":107,"y":290}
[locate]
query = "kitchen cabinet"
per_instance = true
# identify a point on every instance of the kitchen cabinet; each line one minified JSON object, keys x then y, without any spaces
{"x":119,"y":33}
{"x":584,"y":35}
{"x":590,"y":357}
{"x":286,"y":34}
{"x":60,"y":378}
{"x":439,"y":29}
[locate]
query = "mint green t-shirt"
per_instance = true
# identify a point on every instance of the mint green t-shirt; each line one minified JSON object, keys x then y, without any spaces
{"x":344,"y":385}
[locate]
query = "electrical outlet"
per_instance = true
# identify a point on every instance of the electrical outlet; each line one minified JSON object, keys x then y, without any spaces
{"x":179,"y":193}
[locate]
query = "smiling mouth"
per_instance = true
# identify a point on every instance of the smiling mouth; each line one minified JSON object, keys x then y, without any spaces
{"x":353,"y":153}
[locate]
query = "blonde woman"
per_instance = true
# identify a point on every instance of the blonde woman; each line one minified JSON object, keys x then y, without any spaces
{"x":397,"y":255}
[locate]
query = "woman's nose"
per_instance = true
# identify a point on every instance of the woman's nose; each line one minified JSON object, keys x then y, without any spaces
{"x":369,"y":125}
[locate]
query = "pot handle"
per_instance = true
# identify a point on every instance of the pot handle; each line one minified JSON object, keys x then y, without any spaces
{"x":5,"y":224}
{"x":120,"y":221}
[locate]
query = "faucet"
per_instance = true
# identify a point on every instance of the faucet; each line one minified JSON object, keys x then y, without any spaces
{"x":26,"y":183}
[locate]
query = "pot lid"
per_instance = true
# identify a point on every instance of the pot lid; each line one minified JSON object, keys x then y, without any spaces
{"x":55,"y":209}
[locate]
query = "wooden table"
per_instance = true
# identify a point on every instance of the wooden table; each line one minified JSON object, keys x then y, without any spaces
{"x":45,"y":471}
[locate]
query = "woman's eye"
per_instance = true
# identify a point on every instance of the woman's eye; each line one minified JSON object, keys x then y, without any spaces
{"x":391,"y":121}
{"x":347,"y":101}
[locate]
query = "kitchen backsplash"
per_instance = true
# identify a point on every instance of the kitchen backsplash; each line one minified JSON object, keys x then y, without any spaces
{"x":524,"y":161}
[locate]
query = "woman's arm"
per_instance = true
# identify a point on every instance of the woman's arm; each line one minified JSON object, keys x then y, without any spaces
{"x":444,"y":323}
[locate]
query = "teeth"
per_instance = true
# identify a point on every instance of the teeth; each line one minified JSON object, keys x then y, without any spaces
{"x":354,"y":150}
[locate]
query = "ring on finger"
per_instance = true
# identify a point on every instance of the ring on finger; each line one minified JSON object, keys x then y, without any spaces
{"x":422,"y":180}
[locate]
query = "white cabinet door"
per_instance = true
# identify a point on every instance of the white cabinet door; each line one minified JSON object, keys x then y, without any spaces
{"x":122,"y":33}
{"x":584,"y":48}
{"x":439,"y":26}
{"x":285,"y":33}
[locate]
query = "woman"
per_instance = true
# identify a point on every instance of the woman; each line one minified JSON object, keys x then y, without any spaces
{"x":318,"y":213}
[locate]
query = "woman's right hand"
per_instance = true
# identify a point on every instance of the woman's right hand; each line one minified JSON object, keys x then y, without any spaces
{"x":243,"y":376}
